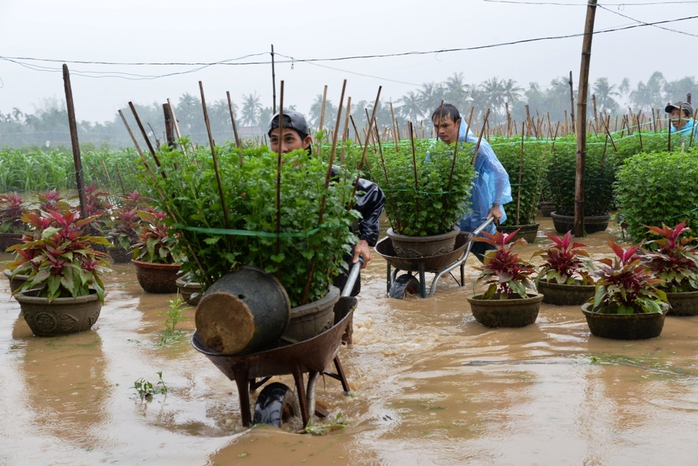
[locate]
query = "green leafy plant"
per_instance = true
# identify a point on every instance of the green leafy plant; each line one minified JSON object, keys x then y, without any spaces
{"x":12,"y":209}
{"x":525,"y":162}
{"x":675,"y":260}
{"x":58,"y":257}
{"x":599,"y":175}
{"x":173,"y":317}
{"x":307,"y":252}
{"x":625,"y":285}
{"x":507,"y":275}
{"x":426,"y":190}
{"x":334,"y":423}
{"x":564,"y":262}
{"x":156,"y":243}
{"x":146,"y":389}
{"x":658,"y":188}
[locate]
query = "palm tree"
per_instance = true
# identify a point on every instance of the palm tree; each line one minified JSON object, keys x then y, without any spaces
{"x":604,"y":93}
{"x":495,"y":94}
{"x":251,"y":106}
{"x":411,"y":108}
{"x":430,"y":96}
{"x":456,"y":91}
{"x":512,"y":92}
{"x":316,"y":113}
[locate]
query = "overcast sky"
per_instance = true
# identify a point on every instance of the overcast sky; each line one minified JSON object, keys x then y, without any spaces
{"x":205,"y":31}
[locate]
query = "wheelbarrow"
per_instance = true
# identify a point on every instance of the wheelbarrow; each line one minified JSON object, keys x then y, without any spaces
{"x":440,"y":265}
{"x":276,"y":404}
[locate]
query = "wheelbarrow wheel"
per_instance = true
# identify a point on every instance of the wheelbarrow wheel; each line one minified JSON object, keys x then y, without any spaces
{"x":405,"y":283}
{"x":276,"y":405}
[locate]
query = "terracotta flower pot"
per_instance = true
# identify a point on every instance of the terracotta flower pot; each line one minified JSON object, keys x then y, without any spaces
{"x":61,"y":316}
{"x":565,"y":295}
{"x":546,"y":208}
{"x":624,"y":326}
{"x":512,"y":312}
{"x":423,"y":246}
{"x":157,"y":278}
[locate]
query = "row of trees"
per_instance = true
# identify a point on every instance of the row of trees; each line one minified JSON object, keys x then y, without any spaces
{"x":49,"y":123}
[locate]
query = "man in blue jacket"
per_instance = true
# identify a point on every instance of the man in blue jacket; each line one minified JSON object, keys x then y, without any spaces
{"x":491,"y":189}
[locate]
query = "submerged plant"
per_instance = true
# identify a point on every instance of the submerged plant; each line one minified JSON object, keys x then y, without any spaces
{"x":146,"y":389}
{"x":506,"y":274}
{"x":173,"y":317}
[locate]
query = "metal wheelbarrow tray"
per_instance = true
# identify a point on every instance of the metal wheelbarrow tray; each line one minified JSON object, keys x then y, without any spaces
{"x":310,"y":356}
{"x":440,"y":264}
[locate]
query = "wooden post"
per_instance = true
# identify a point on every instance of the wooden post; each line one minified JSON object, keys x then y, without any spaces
{"x":582,"y":113}
{"x":169,"y":126}
{"x":322,"y":112}
{"x":273,"y":89}
{"x":79,"y":174}
{"x":232,"y":115}
{"x":596,"y":114}
{"x":572,"y":103}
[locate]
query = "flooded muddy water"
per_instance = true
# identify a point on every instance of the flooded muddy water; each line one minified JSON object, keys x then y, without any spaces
{"x":429,"y":386}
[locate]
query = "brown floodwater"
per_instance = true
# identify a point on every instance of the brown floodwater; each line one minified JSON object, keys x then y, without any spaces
{"x":429,"y":386}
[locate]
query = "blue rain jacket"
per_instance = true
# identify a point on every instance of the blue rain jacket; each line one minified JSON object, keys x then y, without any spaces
{"x":685,"y":132}
{"x":491,"y":185}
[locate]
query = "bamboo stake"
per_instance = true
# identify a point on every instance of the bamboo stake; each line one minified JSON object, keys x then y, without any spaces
{"x":121,"y":182}
{"x":479,"y":139}
{"x":215,"y":166}
{"x":365,"y":146}
{"x":414,"y":166}
{"x":397,"y":227}
{"x":356,"y":132}
{"x":596,"y":113}
{"x":345,"y":133}
{"x":322,"y":112}
{"x":145,"y":135}
{"x":394,"y":123}
{"x":232,"y":119}
{"x":518,"y":196}
{"x":279,"y":153}
{"x":175,"y":123}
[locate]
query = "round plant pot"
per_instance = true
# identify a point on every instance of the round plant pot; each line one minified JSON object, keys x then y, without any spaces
{"x":157,"y":278}
{"x":190,"y":291}
{"x":592,"y":224}
{"x":61,"y":316}
{"x":311,"y":319}
{"x":527,"y":232}
{"x":423,"y":246}
{"x":565,"y":295}
{"x":546,"y":208}
{"x":17,"y":281}
{"x":120,"y":255}
{"x":683,"y":304}
{"x":512,"y":312}
{"x":624,"y":326}
{"x":9,"y":239}
{"x":243,"y":312}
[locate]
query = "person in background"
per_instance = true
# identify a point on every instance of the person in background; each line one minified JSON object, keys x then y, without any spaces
{"x":682,"y":121}
{"x":370,"y":199}
{"x":491,"y":189}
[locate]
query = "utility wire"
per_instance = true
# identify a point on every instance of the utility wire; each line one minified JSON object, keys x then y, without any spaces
{"x":644,"y":23}
{"x":684,"y":2}
{"x":235,"y":61}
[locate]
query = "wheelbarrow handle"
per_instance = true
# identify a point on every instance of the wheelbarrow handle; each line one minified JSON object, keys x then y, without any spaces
{"x":484,"y":225}
{"x":353,"y":275}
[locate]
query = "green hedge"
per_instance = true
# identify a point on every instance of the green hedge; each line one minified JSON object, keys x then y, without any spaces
{"x":657,"y":188}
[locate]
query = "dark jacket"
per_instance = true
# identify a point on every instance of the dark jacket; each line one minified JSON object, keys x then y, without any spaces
{"x":369,"y":203}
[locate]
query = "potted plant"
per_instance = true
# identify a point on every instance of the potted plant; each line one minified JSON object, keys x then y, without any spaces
{"x":124,"y":225}
{"x":97,"y":205}
{"x":52,"y":200}
{"x":599,"y":176}
{"x":525,"y":164}
{"x":673,"y":259}
{"x":511,"y":299}
{"x":427,"y":186}
{"x":282,"y":217}
{"x":565,"y":276}
{"x":12,"y":208}
{"x":154,"y":256}
{"x":64,"y":290}
{"x":627,"y":303}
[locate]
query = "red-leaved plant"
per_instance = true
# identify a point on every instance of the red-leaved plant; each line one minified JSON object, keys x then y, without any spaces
{"x":12,"y":208}
{"x":51,"y":200}
{"x":507,"y":275}
{"x":625,"y":285}
{"x":675,"y":259}
{"x":155,"y":242}
{"x":125,"y":222}
{"x":60,"y":260}
{"x":564,"y":263}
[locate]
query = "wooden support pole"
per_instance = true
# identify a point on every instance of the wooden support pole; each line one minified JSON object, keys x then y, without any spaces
{"x":582,"y":114}
{"x":571,"y":103}
{"x":169,"y":126}
{"x":72,"y":124}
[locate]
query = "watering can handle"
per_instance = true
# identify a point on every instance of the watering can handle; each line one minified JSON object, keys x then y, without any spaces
{"x":353,"y":275}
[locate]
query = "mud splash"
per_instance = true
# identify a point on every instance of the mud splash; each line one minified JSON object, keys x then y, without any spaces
{"x":430,"y":386}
